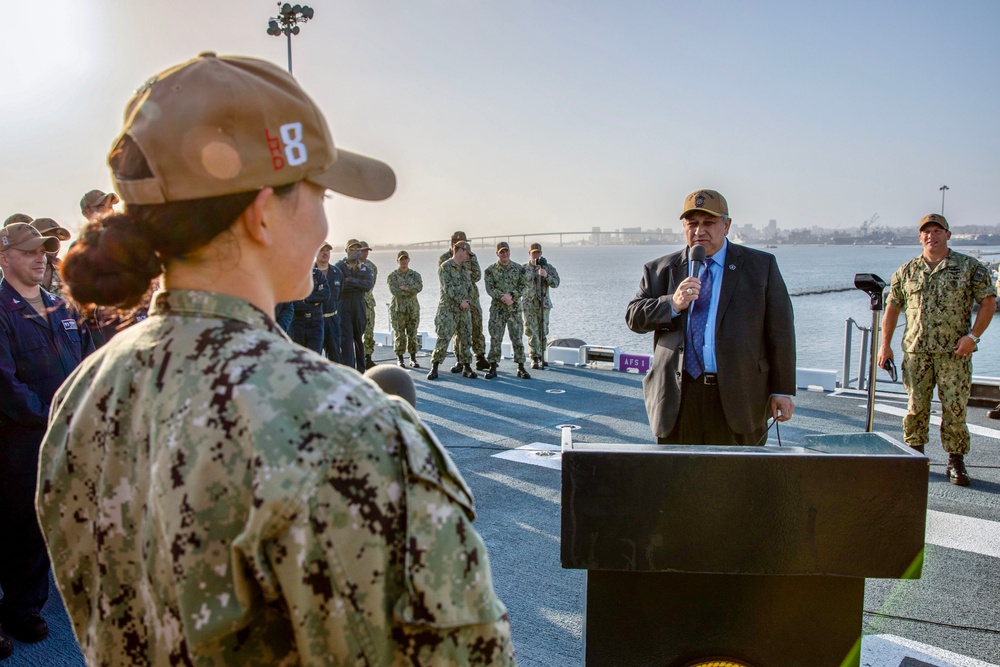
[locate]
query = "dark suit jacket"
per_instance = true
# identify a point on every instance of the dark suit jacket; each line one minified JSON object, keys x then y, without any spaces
{"x":754,"y":337}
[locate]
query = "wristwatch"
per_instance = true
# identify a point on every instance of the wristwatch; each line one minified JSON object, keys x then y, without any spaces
{"x":974,"y":337}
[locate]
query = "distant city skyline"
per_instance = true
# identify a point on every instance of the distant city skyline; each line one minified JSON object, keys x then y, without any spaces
{"x":543,"y":115}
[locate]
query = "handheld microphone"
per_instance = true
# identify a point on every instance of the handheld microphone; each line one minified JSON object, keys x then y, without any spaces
{"x":696,"y":259}
{"x":394,"y":381}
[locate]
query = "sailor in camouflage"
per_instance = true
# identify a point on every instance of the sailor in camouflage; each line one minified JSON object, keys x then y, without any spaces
{"x":540,"y":276}
{"x":211,"y":493}
{"x":404,"y":309}
{"x":936,"y":291}
{"x":453,"y":317}
{"x":369,"y":338}
{"x":506,"y":284}
{"x":476,"y":309}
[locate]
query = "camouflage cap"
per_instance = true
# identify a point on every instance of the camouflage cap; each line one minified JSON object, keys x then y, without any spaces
{"x":365,"y":246}
{"x":17,"y":217}
{"x":222,"y":125}
{"x":401,"y":254}
{"x":22,"y":236}
{"x":934,"y":219}
{"x":534,"y":247}
{"x":706,"y":201}
{"x":458,"y":236}
{"x":98,"y":199}
{"x":502,"y":245}
{"x":49,"y":227}
{"x":464,"y":245}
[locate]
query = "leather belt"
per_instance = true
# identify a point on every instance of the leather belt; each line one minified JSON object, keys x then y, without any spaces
{"x":710,"y":379}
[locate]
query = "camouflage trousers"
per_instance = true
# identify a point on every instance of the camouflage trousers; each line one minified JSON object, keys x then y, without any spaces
{"x":476,"y":314}
{"x":503,"y":317}
{"x":536,"y":328}
{"x":404,"y":329}
{"x":370,"y":328}
{"x":452,"y":322}
{"x":953,"y":376}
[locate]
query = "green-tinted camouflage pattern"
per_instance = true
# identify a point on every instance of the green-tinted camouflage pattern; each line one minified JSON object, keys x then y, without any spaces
{"x":475,"y":308}
{"x":450,"y":320}
{"x":953,"y":376}
{"x":537,"y":305}
{"x":213,"y":494}
{"x":938,"y":303}
{"x":404,"y":309}
{"x":502,"y":280}
{"x":369,"y":337}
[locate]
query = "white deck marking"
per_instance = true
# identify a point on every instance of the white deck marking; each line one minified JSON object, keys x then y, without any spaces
{"x":964,"y":533}
{"x":936,"y":421}
{"x":890,"y":651}
{"x":536,"y":454}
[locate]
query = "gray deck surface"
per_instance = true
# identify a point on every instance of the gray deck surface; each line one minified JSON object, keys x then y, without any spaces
{"x":948,"y":617}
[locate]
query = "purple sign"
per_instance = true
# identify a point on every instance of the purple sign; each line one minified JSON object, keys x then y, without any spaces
{"x":640,"y":362}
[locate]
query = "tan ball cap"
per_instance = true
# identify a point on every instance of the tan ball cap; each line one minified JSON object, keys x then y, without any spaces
{"x":220,"y":125}
{"x":934,"y":219}
{"x":17,"y":217}
{"x":22,"y":236}
{"x":97,"y":199}
{"x":706,"y":201}
{"x":49,"y":227}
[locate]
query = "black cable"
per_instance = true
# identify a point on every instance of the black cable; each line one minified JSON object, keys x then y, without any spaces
{"x":937,"y":623}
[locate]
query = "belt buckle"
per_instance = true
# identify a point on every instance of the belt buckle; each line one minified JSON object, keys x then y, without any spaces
{"x":710,"y":379}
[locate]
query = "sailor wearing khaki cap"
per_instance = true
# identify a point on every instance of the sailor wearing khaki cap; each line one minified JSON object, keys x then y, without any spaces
{"x":260,"y":463}
{"x":358,"y":282}
{"x":97,"y":204}
{"x":52,"y":283}
{"x":41,"y":341}
{"x":936,"y":290}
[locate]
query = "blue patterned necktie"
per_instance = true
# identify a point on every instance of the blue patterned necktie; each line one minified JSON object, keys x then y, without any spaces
{"x":694,"y":362}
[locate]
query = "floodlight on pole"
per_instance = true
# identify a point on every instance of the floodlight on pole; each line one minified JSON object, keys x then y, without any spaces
{"x":286,"y":23}
{"x":943,"y":189}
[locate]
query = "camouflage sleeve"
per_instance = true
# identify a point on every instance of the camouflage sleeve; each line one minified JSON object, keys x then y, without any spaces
{"x":553,"y":277}
{"x":418,"y":282}
{"x":982,"y":286}
{"x":393,"y":281}
{"x":454,"y":284}
{"x":491,"y":282}
{"x":897,"y":298}
{"x":474,"y":271}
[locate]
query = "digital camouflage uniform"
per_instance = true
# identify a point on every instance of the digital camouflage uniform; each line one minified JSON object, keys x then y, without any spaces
{"x":475,"y":308}
{"x":404,"y":310}
{"x":537,"y":305}
{"x":214,"y":494}
{"x":938,"y":306}
{"x":370,"y":311}
{"x":502,"y":280}
{"x":451,"y":320}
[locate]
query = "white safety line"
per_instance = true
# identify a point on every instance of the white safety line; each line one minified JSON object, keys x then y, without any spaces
{"x":936,"y":421}
{"x":891,"y":651}
{"x":965,"y":533}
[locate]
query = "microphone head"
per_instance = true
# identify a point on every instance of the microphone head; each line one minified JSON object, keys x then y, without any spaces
{"x":394,"y":381}
{"x":697,"y":254}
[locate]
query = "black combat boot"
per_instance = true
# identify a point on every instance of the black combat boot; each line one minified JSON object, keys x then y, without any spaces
{"x":492,"y":372}
{"x":521,"y":373}
{"x":535,"y":363}
{"x":413,"y":361}
{"x":368,"y":361}
{"x":402,"y":364}
{"x":481,"y":363}
{"x":433,"y":375}
{"x":457,"y":368}
{"x":955,"y":472}
{"x":467,"y":371}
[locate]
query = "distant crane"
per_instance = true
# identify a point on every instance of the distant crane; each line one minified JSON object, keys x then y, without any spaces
{"x":869,"y":225}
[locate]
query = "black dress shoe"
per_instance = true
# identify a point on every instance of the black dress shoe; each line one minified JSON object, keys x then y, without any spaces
{"x":457,"y":368}
{"x":6,"y":647}
{"x":28,"y":628}
{"x":956,"y":472}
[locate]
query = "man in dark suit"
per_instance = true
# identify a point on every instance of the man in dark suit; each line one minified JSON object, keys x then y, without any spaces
{"x":724,"y":340}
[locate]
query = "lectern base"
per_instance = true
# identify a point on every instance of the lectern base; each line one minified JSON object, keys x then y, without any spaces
{"x":670,"y":619}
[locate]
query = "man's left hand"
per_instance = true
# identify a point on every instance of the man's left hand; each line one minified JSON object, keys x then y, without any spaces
{"x":782,"y":408}
{"x":965,"y":347}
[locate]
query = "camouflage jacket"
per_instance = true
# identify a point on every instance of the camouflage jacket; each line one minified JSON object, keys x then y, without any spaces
{"x":213,"y":494}
{"x":370,"y":294}
{"x":938,"y":303}
{"x":471,"y":267}
{"x":456,"y":285}
{"x":537,"y":293}
{"x":502,"y":280}
{"x":404,"y":298}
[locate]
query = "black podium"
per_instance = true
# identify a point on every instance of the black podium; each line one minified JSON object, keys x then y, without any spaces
{"x":756,"y":555}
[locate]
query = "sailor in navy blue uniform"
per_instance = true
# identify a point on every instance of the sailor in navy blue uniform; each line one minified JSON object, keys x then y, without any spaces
{"x":307,"y":322}
{"x":42,"y":339}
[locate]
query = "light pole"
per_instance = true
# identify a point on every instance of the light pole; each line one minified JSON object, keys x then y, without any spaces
{"x":943,"y":189}
{"x":286,"y":23}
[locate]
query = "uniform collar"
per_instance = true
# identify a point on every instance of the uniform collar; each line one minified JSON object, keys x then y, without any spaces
{"x":209,"y":304}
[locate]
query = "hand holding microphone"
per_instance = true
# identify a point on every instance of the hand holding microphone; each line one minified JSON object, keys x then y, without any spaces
{"x":689,"y":289}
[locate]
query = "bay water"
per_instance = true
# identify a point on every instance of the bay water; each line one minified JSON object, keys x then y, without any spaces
{"x":597,"y":282}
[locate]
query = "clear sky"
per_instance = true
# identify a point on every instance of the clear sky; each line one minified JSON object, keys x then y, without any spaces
{"x":515,"y":116}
